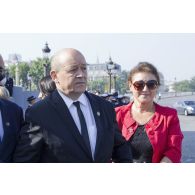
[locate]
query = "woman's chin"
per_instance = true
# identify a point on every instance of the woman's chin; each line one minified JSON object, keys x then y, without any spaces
{"x":145,"y":100}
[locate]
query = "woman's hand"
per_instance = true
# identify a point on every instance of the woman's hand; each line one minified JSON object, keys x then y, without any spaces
{"x":165,"y":160}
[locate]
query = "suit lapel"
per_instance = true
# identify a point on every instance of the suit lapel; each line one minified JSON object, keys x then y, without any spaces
{"x":67,"y":119}
{"x":97,"y":115}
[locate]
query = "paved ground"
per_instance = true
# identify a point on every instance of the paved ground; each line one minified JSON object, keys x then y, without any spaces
{"x":188,"y":149}
{"x":187,"y":124}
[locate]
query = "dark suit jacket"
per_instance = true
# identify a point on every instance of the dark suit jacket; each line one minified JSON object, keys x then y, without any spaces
{"x":52,"y":135}
{"x":12,"y":118}
{"x":9,"y":85}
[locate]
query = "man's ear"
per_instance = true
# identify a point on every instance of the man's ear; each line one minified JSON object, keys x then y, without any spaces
{"x":53,"y":75}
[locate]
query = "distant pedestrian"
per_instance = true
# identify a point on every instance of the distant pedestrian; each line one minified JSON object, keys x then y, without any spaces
{"x":9,"y":83}
{"x":31,"y":100}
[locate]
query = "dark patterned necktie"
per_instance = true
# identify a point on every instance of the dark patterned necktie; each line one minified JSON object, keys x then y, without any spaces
{"x":84,"y":131}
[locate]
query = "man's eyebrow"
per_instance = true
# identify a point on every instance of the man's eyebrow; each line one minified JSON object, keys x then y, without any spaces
{"x":75,"y":65}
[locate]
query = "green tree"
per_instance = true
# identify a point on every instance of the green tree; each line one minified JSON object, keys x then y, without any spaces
{"x":12,"y":69}
{"x":23,"y":72}
{"x":182,"y":86}
{"x":36,"y":71}
{"x":192,"y":84}
{"x":97,"y":85}
{"x":23,"y":68}
{"x":122,"y":82}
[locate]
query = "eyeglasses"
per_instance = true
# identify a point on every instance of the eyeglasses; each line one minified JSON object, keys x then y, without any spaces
{"x":151,"y":85}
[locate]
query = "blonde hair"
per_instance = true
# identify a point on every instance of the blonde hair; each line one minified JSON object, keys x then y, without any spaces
{"x":4,"y":93}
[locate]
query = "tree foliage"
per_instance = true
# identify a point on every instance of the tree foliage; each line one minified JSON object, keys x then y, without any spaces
{"x":192,"y":83}
{"x":36,"y":71}
{"x":183,"y":86}
{"x":23,"y":72}
{"x":97,"y":85}
{"x":12,"y":69}
{"x":23,"y":69}
{"x":122,"y":82}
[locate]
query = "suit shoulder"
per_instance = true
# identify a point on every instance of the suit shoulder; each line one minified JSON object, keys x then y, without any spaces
{"x":10,"y":104}
{"x":100,"y":100}
{"x":40,"y":105}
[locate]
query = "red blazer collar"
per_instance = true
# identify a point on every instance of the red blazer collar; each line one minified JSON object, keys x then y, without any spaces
{"x":154,"y":122}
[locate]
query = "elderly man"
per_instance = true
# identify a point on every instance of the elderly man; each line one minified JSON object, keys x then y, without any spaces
{"x":71,"y":125}
{"x":11,"y":120}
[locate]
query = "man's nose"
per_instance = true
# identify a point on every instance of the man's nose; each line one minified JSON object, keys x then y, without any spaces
{"x":80,"y":73}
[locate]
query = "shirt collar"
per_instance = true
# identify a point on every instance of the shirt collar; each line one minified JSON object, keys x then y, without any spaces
{"x":82,"y":99}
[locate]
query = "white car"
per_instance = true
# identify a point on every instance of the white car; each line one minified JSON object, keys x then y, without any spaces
{"x":185,"y":107}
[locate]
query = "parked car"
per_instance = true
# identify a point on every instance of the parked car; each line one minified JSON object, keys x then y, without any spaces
{"x":185,"y":107}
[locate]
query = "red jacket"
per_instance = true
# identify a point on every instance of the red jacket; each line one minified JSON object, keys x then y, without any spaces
{"x":163,"y":131}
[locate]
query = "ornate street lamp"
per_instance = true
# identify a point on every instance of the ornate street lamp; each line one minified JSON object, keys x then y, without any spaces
{"x":175,"y":82}
{"x":112,"y":69}
{"x":46,"y":50}
{"x":29,"y":79}
{"x":114,"y":76}
{"x":17,"y":76}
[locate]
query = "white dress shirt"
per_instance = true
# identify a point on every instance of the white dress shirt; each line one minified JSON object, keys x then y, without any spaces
{"x":88,"y":114}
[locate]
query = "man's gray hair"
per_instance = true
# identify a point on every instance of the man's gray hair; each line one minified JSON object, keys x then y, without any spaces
{"x":61,"y":56}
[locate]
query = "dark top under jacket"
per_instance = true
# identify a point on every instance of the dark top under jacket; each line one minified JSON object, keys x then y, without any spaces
{"x":141,"y":147}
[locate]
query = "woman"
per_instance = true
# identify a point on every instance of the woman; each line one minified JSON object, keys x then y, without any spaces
{"x":4,"y":93}
{"x":153,"y":131}
{"x":46,"y":86}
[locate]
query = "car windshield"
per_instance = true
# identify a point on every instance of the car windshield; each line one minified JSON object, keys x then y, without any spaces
{"x":189,"y":103}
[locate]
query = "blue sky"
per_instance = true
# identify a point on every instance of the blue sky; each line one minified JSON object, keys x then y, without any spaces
{"x":172,"y":53}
